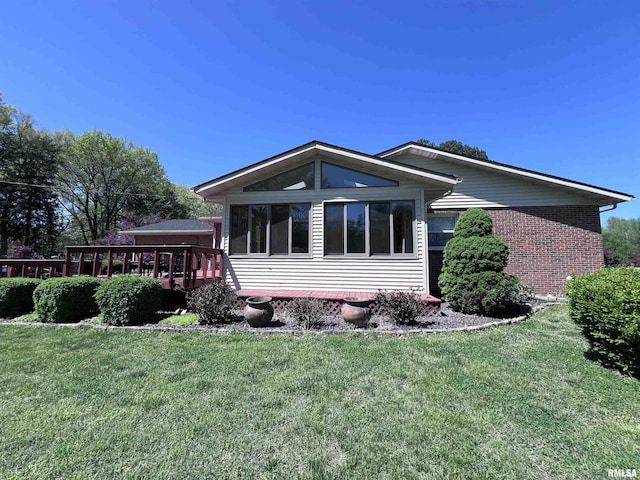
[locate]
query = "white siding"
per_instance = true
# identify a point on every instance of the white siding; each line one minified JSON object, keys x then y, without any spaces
{"x":486,"y":189}
{"x":334,"y":273}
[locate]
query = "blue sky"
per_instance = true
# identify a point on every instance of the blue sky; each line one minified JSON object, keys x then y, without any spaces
{"x":214,"y":86}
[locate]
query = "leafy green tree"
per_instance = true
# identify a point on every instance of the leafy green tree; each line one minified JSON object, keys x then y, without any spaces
{"x":194,"y":204}
{"x":29,"y":159}
{"x":621,"y":241}
{"x":457,"y":147}
{"x":102,"y":177}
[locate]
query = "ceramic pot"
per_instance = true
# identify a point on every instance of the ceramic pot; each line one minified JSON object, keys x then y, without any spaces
{"x":356,"y":311}
{"x":258,"y":312}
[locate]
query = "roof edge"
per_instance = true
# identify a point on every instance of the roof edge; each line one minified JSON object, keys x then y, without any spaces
{"x":623,"y":197}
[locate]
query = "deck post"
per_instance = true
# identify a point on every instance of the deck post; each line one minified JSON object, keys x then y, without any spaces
{"x":110,"y":263}
{"x":95,"y":270}
{"x":156,"y":259}
{"x":80,"y":264}
{"x":171,"y":265}
{"x":66,"y":269}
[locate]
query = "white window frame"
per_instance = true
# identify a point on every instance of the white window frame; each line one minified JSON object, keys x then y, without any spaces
{"x":367,"y":233}
{"x":268,"y":253}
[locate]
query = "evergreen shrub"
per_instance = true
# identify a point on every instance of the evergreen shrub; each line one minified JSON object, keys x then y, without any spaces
{"x":129,"y":299}
{"x":213,"y":303}
{"x":66,"y":299}
{"x":606,"y":306}
{"x":472,"y":279}
{"x":16,"y":296}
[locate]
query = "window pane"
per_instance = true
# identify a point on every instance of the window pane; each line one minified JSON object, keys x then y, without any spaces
{"x":355,"y":228}
{"x":379,"y":222}
{"x":334,"y":229}
{"x":300,"y":228}
{"x":402,"y":227}
{"x":239,"y":227}
{"x":440,"y":224}
{"x":259,"y":218}
{"x":439,"y":239}
{"x":338,"y":177}
{"x":279,"y":229}
{"x":301,"y":178}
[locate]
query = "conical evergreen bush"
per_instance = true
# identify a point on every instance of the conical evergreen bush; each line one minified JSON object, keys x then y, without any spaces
{"x":472,"y":279}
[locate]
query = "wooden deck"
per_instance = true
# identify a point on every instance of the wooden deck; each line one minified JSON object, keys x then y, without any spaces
{"x":333,"y":300}
{"x":177,"y":266}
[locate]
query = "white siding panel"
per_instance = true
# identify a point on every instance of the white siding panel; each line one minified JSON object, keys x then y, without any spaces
{"x":486,"y":189}
{"x":333,"y":273}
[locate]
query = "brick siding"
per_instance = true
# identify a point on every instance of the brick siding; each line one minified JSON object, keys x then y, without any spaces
{"x":546,"y":244}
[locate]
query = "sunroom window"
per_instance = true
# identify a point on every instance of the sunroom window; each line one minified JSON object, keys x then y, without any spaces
{"x":369,"y":228}
{"x":340,"y":177}
{"x":269,"y":229}
{"x":301,"y":178}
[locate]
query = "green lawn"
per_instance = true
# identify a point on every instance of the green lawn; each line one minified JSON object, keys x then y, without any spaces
{"x":517,"y":401}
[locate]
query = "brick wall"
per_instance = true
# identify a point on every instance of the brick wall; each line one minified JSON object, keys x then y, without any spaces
{"x":546,"y":244}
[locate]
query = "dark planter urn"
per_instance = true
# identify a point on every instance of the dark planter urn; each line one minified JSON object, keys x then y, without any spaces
{"x":356,"y":311}
{"x":258,"y":312}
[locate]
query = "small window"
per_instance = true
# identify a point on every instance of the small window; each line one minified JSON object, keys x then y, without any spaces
{"x":339,"y":177}
{"x":440,"y":230}
{"x":301,"y":178}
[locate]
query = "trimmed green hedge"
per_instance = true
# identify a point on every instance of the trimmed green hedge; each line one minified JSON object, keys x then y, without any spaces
{"x":129,"y":299}
{"x":606,"y":305}
{"x":16,"y":296}
{"x":67,"y":299}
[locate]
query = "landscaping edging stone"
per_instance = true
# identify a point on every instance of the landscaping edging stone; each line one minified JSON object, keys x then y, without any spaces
{"x":296,"y":331}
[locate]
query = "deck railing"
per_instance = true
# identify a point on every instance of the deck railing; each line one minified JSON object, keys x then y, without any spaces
{"x":178,"y":266}
{"x":18,"y":267}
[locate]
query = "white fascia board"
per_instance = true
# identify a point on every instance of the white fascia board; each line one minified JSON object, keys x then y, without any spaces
{"x":165,"y":232}
{"x":254,"y":169}
{"x":515,"y":171}
{"x":391,"y":166}
{"x":324,"y":148}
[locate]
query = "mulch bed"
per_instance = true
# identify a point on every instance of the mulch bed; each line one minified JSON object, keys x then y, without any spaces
{"x":447,"y":321}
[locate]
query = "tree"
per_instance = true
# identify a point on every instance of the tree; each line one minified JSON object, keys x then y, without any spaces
{"x":457,"y":147}
{"x":29,"y":159}
{"x":194,"y":204}
{"x":102,"y":177}
{"x":472,"y":278}
{"x":621,"y":241}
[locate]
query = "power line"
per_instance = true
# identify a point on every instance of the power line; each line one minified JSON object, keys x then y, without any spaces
{"x":51,"y":187}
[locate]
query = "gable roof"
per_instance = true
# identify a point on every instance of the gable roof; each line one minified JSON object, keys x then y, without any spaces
{"x":610,"y":196}
{"x":296,"y":156}
{"x":172,"y":226}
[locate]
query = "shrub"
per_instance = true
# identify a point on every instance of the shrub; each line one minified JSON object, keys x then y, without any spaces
{"x":472,"y":279}
{"x":213,"y":303}
{"x":606,"y":305}
{"x":16,"y":296}
{"x":67,"y":299}
{"x":306,"y":312}
{"x":129,"y":299}
{"x":475,"y":222}
{"x":495,"y":294}
{"x":402,"y":308}
{"x":467,"y":255}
